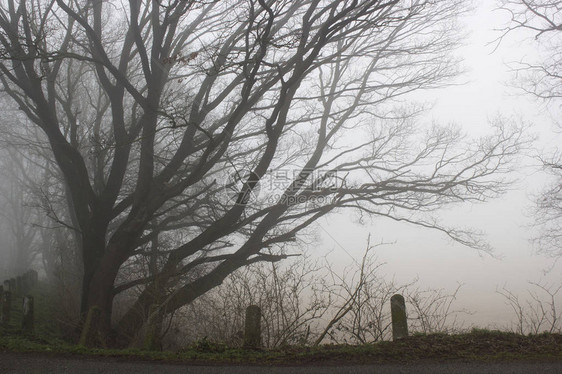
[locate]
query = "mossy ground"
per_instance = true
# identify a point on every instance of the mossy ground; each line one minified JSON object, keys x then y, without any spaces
{"x":478,"y":345}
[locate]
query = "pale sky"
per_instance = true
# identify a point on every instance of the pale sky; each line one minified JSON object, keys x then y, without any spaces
{"x":429,"y":255}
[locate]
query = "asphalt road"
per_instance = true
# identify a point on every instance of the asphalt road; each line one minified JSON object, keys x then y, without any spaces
{"x":33,"y":363}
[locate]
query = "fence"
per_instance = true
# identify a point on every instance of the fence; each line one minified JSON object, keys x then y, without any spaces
{"x":14,"y":290}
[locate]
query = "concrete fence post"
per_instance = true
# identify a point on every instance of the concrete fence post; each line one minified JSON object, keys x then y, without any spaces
{"x":27,"y":314}
{"x":399,"y":320}
{"x":252,"y":328}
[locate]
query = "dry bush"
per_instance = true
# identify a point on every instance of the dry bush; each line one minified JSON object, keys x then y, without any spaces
{"x":308,"y":303}
{"x":538,"y":312}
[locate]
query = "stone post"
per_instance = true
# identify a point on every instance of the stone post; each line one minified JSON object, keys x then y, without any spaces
{"x":27,"y":314}
{"x":12,"y":287}
{"x":252,"y":328}
{"x":399,"y":320}
{"x":90,"y":330}
{"x":6,"y":307}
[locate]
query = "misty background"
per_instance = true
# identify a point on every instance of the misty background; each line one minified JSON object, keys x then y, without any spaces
{"x":485,"y":93}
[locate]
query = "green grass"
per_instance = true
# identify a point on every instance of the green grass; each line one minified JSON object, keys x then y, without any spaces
{"x":478,"y":345}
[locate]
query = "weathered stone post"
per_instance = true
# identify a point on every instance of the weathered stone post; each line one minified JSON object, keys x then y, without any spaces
{"x":90,"y":330}
{"x":399,"y":320}
{"x":252,"y":328}
{"x":6,"y":307}
{"x":27,"y":314}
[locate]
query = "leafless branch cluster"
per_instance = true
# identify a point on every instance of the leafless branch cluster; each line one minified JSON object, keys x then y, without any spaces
{"x":539,"y":312}
{"x":542,"y":19}
{"x":542,"y":78}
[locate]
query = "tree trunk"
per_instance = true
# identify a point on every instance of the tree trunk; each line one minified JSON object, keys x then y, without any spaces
{"x":101,"y":265}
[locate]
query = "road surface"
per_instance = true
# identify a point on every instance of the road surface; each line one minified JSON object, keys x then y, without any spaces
{"x":40,"y":363}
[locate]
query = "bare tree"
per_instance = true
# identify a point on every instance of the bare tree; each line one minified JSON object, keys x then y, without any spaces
{"x":547,"y":210}
{"x":543,"y":79}
{"x":17,"y":212}
{"x":33,"y":205}
{"x":155,"y":111}
{"x":25,"y":174}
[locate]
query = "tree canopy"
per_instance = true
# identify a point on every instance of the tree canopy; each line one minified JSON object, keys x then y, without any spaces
{"x":197,"y":137}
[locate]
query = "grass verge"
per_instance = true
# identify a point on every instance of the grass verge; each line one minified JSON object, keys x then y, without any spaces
{"x":478,"y":345}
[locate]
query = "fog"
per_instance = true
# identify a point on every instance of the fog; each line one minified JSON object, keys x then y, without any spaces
{"x":147,"y":217}
{"x":484,"y":92}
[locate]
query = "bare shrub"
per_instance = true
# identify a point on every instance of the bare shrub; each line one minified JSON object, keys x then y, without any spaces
{"x":431,"y":310}
{"x":289,"y":295}
{"x":309,"y":303}
{"x":538,"y":312}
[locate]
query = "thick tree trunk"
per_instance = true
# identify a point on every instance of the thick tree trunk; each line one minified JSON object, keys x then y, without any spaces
{"x":101,"y":295}
{"x":132,"y":322}
{"x":102,"y":262}
{"x":101,"y":266}
{"x":93,"y":247}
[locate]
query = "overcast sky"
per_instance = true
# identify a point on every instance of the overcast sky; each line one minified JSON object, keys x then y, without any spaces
{"x":429,"y":255}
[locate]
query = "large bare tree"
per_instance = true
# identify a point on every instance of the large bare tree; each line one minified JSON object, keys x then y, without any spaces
{"x":542,"y":78}
{"x":166,"y":117}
